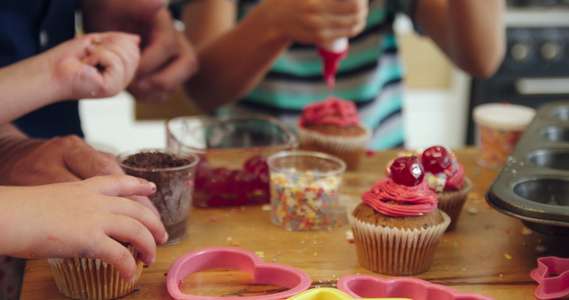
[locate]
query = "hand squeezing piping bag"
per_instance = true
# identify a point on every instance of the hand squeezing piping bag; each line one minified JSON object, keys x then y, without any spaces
{"x":332,"y":53}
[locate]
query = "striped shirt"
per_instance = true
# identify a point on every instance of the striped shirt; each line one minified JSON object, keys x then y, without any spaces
{"x":371,"y":76}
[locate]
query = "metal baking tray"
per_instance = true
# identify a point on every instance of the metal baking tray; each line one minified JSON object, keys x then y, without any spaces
{"x":533,"y":185}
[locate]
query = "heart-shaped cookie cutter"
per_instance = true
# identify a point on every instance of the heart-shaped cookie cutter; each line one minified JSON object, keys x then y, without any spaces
{"x":552,"y":276}
{"x":234,"y":258}
{"x":330,"y":294}
{"x":369,"y":286}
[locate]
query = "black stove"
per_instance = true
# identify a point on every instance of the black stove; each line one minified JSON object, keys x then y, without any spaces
{"x":535,"y":69}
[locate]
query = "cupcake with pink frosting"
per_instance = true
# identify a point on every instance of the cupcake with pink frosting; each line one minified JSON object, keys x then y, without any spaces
{"x":446,"y":178}
{"x":334,"y":126}
{"x":398,"y":225}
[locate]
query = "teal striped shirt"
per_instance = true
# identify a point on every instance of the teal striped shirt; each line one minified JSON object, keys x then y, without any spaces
{"x":371,"y":76}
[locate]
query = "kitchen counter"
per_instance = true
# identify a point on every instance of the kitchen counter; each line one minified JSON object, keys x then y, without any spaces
{"x":488,"y":253}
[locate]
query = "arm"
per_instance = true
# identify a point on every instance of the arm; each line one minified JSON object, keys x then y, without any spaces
{"x":93,"y":66}
{"x":235,"y":57}
{"x":48,"y":221}
{"x":167,"y":57}
{"x":470,"y":32}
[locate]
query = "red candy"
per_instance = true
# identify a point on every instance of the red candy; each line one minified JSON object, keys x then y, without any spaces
{"x":225,"y":187}
{"x":256,"y":165}
{"x":240,"y":181}
{"x":407,"y":171}
{"x":436,"y":159}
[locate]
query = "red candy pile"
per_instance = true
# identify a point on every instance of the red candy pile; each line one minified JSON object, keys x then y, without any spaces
{"x":224,"y":187}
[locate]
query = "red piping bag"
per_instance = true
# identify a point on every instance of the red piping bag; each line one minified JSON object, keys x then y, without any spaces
{"x":331,"y":54}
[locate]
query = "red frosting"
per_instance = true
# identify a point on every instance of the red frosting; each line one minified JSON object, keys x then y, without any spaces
{"x":456,"y":180}
{"x":331,"y":111}
{"x":331,"y":61}
{"x":453,"y":176}
{"x":413,"y":200}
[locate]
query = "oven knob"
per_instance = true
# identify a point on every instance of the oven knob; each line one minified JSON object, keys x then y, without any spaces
{"x":520,"y":51}
{"x":550,"y":51}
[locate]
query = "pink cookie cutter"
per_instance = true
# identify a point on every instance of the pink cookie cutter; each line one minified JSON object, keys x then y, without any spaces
{"x":225,"y":257}
{"x":368,"y":286}
{"x":552,"y":275}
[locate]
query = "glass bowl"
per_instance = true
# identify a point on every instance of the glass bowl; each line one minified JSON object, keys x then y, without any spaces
{"x":233,"y":151}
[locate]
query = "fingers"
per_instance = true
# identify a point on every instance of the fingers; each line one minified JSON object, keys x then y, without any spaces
{"x":121,"y":186}
{"x":116,"y":56}
{"x":167,"y":60}
{"x":161,"y":44}
{"x":141,"y":210}
{"x":117,"y":255}
{"x":346,"y":17}
{"x":146,"y":202}
{"x":136,"y":233}
{"x":133,"y":188}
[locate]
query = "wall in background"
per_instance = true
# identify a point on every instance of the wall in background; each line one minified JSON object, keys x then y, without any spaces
{"x":437,"y":94}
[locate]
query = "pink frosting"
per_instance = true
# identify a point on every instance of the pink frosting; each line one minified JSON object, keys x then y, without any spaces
{"x":413,"y":200}
{"x":456,"y":180}
{"x":331,"y":111}
{"x":453,"y":176}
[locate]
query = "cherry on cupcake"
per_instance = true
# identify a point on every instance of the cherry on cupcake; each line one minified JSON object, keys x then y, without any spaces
{"x":436,"y":159}
{"x":407,"y":170}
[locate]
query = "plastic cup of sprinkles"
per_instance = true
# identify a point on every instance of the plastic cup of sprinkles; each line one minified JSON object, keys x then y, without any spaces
{"x":304,"y":189}
{"x":499,"y":126}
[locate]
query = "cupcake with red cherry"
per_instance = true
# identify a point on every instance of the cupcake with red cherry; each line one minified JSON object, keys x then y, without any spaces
{"x":445,"y":176}
{"x":334,"y":126}
{"x":398,"y":226}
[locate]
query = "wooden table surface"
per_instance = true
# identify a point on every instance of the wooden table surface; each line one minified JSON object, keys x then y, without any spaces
{"x":488,"y":253}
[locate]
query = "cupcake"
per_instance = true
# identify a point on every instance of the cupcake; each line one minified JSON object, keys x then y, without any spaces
{"x":334,"y":126}
{"x":398,"y":226}
{"x":86,"y":278}
{"x":446,"y":178}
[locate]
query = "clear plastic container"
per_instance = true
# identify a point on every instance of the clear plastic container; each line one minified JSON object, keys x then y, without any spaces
{"x":498,"y":129}
{"x":174,"y":186}
{"x":304,"y":189}
{"x":233,"y":151}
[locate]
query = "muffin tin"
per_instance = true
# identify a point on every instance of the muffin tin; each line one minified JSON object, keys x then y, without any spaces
{"x":533,"y":185}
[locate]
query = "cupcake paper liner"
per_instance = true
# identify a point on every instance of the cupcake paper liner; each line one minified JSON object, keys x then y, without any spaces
{"x":349,"y":149}
{"x":394,"y":251}
{"x":452,"y":202}
{"x":84,"y":278}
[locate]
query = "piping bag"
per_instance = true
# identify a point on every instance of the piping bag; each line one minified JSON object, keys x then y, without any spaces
{"x":332,"y":53}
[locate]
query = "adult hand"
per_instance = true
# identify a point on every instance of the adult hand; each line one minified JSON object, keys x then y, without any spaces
{"x":167,"y":57}
{"x":60,"y":159}
{"x":316,"y":21}
{"x":89,"y":219}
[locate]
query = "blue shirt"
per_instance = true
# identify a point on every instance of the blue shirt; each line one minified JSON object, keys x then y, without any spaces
{"x":29,"y":27}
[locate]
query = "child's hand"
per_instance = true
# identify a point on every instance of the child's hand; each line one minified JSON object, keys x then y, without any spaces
{"x":315,"y":21}
{"x":96,"y":65}
{"x":87,"y":219}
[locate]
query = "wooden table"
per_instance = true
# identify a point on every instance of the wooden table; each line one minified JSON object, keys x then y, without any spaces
{"x":488,"y":253}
